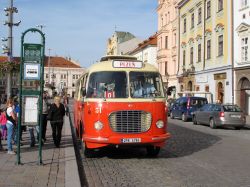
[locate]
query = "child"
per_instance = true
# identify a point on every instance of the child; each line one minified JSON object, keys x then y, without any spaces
{"x":3,"y":121}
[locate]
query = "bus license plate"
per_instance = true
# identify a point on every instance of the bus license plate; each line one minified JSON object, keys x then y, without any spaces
{"x":131,"y":140}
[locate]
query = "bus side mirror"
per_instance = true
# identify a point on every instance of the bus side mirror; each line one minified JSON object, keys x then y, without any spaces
{"x":83,"y":91}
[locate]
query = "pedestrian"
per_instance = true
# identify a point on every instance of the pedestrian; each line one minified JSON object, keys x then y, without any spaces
{"x":11,"y":123}
{"x":17,"y":111}
{"x":44,"y":116}
{"x":3,"y":121}
{"x":32,"y":136}
{"x":56,"y":115}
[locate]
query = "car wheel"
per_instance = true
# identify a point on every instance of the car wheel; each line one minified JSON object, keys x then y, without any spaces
{"x":171,"y":115}
{"x":212,"y":124}
{"x":184,"y":117}
{"x":153,"y":151}
{"x":194,"y":120}
{"x":238,"y":128}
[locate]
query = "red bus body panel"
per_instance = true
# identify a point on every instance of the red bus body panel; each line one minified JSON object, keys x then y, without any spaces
{"x":90,"y":112}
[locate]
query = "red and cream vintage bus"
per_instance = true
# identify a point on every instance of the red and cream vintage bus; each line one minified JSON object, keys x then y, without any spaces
{"x":121,"y":101}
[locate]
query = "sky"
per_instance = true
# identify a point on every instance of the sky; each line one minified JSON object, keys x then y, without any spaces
{"x":79,"y":28}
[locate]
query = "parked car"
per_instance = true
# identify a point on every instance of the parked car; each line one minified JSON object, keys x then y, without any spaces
{"x":184,"y":107}
{"x":216,"y":115}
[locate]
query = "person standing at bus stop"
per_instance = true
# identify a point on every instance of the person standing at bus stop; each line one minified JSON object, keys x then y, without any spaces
{"x":44,"y":116}
{"x":11,"y":123}
{"x":56,"y":115}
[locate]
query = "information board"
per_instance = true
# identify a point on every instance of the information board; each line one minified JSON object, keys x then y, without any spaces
{"x":30,"y":110}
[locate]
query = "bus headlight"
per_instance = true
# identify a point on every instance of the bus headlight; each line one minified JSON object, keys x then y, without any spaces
{"x":160,"y":124}
{"x":98,"y":125}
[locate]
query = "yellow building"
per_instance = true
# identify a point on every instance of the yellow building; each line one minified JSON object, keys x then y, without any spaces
{"x":205,"y":47}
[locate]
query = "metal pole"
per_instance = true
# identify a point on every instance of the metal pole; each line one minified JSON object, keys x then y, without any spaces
{"x":10,"y":24}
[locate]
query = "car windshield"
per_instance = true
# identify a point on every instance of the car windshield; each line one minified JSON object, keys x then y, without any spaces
{"x":145,"y":85}
{"x":107,"y":85}
{"x":231,"y":108}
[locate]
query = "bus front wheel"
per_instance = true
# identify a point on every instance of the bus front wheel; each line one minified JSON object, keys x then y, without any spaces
{"x":153,"y":151}
{"x":89,"y":153}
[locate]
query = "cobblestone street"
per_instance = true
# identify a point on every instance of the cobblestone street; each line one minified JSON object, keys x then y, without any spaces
{"x":194,"y":156}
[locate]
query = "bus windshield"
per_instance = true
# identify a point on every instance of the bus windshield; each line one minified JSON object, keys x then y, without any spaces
{"x":145,"y":85}
{"x":107,"y":84}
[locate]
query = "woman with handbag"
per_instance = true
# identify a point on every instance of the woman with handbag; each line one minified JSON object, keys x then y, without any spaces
{"x":56,"y":115}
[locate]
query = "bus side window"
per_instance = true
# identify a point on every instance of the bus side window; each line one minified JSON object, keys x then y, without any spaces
{"x":83,"y":87}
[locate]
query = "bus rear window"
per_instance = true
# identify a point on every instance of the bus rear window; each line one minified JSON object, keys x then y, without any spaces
{"x":107,"y":85}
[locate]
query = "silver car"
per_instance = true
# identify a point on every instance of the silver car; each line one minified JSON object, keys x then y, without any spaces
{"x":216,"y":115}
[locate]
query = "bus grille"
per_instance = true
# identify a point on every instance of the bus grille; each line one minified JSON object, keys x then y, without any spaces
{"x":130,"y":121}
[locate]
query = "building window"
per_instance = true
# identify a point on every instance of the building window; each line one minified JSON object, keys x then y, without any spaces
{"x":197,"y":88}
{"x":199,"y":15}
{"x":208,"y":9}
{"x":191,"y":55}
{"x":184,"y":25}
{"x":166,"y":68}
{"x":162,"y":21}
{"x":207,"y":88}
{"x":220,"y":45}
{"x":220,"y":5}
{"x":243,"y":16}
{"x":199,"y":53}
{"x":184,"y":57}
{"x":73,"y":84}
{"x":244,"y":3}
{"x":244,"y":49}
{"x":61,"y":76}
{"x":192,"y":21}
{"x":74,"y":76}
{"x":208,"y":49}
{"x":166,"y":42}
{"x":47,"y":76}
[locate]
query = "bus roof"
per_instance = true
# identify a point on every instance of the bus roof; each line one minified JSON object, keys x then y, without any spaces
{"x":107,"y":64}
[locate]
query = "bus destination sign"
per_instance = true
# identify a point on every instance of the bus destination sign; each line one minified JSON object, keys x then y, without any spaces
{"x":127,"y":64}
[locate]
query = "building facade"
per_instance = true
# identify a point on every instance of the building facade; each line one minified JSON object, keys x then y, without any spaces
{"x":59,"y":73}
{"x":167,"y":56}
{"x":121,"y":43}
{"x":205,"y":48}
{"x":147,"y":51}
{"x":242,"y":54}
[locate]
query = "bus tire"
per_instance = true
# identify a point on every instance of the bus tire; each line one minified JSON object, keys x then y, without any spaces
{"x":80,"y":130}
{"x":89,"y":153}
{"x":153,"y":151}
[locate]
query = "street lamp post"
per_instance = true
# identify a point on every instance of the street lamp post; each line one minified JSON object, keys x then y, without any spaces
{"x":9,"y":12}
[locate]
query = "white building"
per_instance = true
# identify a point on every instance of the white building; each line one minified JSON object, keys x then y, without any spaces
{"x":147,"y":51}
{"x":62,"y":74}
{"x":242,"y":54}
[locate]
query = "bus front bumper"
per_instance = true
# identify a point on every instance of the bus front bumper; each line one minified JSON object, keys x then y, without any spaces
{"x":100,"y":141}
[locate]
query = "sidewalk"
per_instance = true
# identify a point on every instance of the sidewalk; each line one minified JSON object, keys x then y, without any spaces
{"x":59,"y":164}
